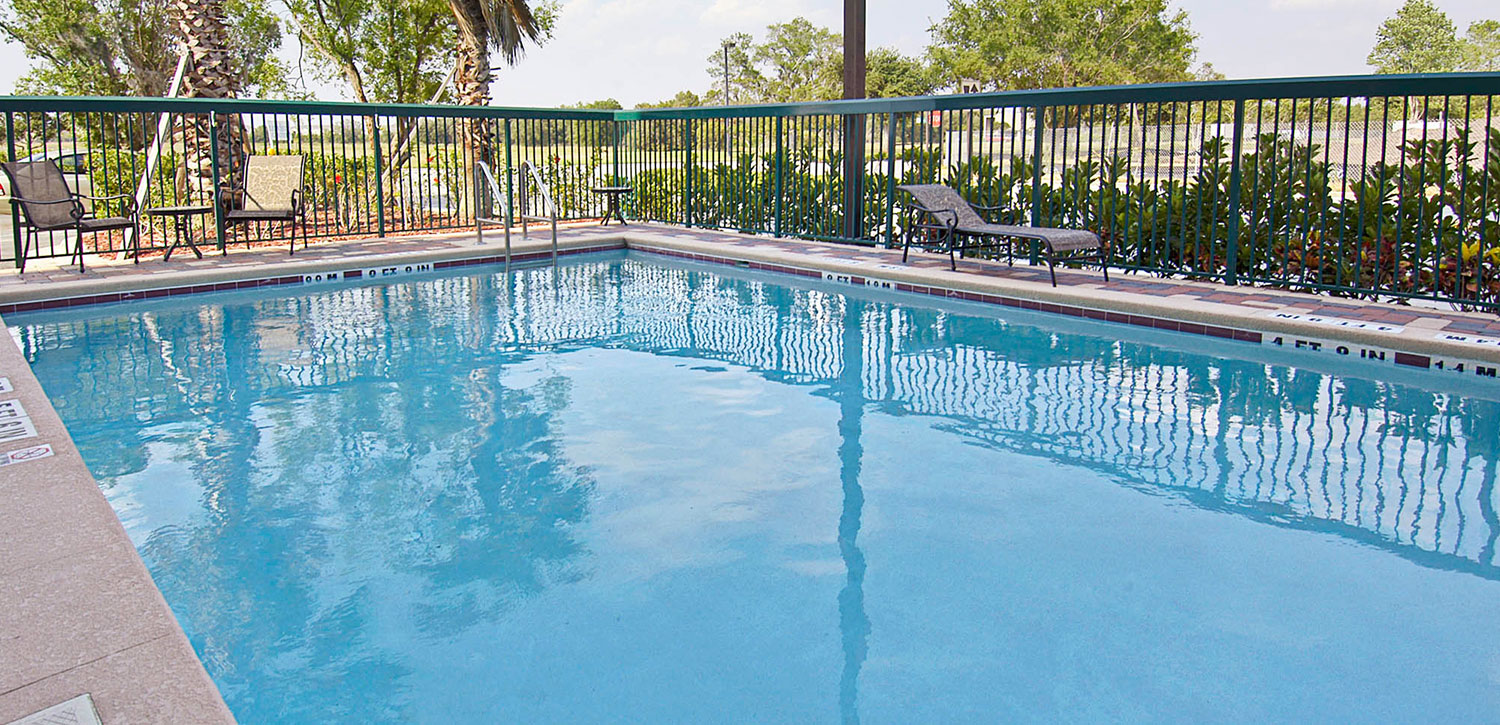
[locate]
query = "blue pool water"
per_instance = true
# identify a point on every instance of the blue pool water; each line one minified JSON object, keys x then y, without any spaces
{"x":623,"y":490}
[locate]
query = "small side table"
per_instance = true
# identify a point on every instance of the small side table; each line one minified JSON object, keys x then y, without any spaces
{"x":613,"y":193}
{"x":181,"y":217}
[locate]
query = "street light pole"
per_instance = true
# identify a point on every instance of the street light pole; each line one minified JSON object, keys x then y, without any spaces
{"x":728,"y":143}
{"x":727,"y":45}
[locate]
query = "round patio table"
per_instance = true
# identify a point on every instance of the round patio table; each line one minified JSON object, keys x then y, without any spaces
{"x":181,"y":217}
{"x":613,"y":193}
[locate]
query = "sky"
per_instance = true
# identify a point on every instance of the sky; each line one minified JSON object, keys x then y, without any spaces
{"x":647,"y":50}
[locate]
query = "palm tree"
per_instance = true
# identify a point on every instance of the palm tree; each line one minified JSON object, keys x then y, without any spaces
{"x":210,"y":73}
{"x":501,"y":25}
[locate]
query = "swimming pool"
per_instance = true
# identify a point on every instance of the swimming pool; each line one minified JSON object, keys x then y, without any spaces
{"x":628,"y":489}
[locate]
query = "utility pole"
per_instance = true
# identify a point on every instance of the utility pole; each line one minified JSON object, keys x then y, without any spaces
{"x":854,"y":124}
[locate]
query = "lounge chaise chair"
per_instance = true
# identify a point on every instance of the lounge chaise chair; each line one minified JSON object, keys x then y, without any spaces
{"x":48,"y":205}
{"x":271,"y":191}
{"x":956,"y":225}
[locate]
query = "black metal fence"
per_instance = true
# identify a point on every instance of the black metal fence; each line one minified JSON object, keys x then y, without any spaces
{"x":1368,"y":186}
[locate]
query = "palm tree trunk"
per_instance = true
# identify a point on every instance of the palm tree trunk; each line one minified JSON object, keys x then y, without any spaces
{"x":471,"y":86}
{"x":471,"y":79}
{"x":210,"y":74}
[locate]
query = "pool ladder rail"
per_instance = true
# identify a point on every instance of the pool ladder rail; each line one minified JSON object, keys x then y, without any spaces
{"x":528,"y":173}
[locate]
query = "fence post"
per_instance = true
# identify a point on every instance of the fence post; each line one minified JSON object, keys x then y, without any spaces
{"x":1036,"y":181}
{"x":614,"y":127}
{"x":890,"y":179}
{"x":213,"y":194}
{"x":15,"y":212}
{"x":854,"y":177}
{"x":780,"y":154}
{"x":687,"y":186}
{"x":1232,"y":244}
{"x":379,"y":181}
{"x":510,"y":182}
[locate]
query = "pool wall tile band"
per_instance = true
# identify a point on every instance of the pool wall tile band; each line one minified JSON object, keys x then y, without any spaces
{"x":359,"y":272}
{"x":655,"y":241}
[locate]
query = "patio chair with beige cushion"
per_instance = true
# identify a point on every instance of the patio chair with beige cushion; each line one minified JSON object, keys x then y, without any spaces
{"x":954,"y":225}
{"x":270,"y":191}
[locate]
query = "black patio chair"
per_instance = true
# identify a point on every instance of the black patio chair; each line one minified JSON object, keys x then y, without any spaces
{"x":954,"y":225}
{"x":48,"y":205}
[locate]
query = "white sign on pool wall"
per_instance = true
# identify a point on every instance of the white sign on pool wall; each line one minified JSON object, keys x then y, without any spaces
{"x":1336,"y":347}
{"x":15,"y":424}
{"x":849,"y":279}
{"x":1341,"y":348}
{"x":398,"y":269}
{"x":368,"y":273}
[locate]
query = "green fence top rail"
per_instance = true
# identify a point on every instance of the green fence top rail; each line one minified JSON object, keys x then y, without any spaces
{"x":120,"y":104}
{"x":1435,"y":84}
{"x":1427,"y":84}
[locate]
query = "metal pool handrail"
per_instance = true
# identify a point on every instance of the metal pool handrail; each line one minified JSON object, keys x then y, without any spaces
{"x":528,"y":171}
{"x":485,"y":179}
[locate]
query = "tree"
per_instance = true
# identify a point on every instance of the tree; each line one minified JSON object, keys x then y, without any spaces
{"x":385,"y":51}
{"x":482,"y":25}
{"x":803,"y":62}
{"x":683,"y":99}
{"x":212,"y":71}
{"x":798,"y":61}
{"x":1482,"y":46}
{"x":663,"y":134}
{"x":746,"y":84}
{"x":606,"y":104}
{"x":1015,"y":44}
{"x":130,"y":47}
{"x":1419,"y":38}
{"x":889,"y":74}
{"x":593,"y":134}
{"x":255,"y":34}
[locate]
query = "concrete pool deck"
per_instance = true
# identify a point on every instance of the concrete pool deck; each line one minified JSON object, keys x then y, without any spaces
{"x":80,"y":614}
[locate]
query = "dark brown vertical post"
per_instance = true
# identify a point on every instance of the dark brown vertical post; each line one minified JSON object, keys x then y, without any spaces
{"x":854,"y":123}
{"x":854,"y":48}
